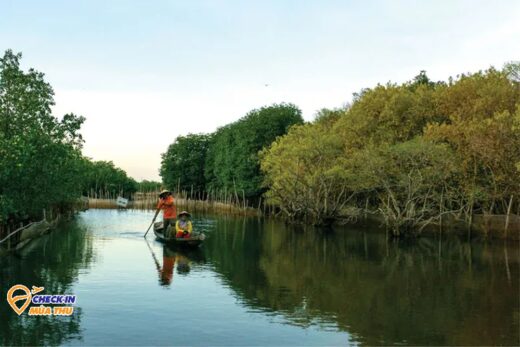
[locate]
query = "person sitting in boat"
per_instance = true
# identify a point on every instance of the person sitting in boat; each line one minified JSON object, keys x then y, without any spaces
{"x":167,"y":205}
{"x":183,"y":225}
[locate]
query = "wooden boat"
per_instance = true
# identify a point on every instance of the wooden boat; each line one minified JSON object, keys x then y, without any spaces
{"x":194,"y":241}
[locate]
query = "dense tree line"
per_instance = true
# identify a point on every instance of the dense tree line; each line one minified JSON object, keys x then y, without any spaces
{"x":40,"y":155}
{"x":411,"y":152}
{"x":41,"y":164}
{"x":227,"y":160}
{"x":104,"y":179}
{"x":149,"y":186}
{"x":183,"y":164}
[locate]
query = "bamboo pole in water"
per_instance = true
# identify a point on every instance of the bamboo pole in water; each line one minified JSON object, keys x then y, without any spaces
{"x":508,"y":215}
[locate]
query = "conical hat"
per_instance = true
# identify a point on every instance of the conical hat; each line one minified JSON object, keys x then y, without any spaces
{"x":164,"y":191}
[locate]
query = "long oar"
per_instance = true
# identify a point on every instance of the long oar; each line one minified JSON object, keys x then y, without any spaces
{"x":153,"y":220}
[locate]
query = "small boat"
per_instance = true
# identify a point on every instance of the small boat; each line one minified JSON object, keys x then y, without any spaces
{"x":194,"y":241}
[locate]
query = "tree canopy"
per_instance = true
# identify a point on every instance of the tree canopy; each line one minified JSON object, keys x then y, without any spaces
{"x":411,"y":152}
{"x":228,"y":158}
{"x":40,"y":155}
{"x":41,"y":164}
{"x":183,"y":164}
{"x":103,"y":179}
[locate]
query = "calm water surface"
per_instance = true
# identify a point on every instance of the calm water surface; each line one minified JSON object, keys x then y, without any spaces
{"x":257,"y":282}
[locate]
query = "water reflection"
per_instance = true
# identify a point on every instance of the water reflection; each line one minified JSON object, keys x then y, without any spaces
{"x":423,"y":292}
{"x":54,"y":262}
{"x":175,"y":257}
{"x":304,"y":286}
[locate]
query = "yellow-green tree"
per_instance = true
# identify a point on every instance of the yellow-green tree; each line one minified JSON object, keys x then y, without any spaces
{"x":389,"y":114}
{"x":412,"y":152}
{"x":410,"y":180}
{"x":305,"y":173}
{"x":482,"y":116}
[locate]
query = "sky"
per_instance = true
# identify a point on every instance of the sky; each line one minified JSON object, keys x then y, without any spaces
{"x":144,"y":72}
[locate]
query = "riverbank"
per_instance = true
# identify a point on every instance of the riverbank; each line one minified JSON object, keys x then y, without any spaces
{"x":191,"y":205}
{"x":19,"y":238}
{"x":16,"y":235}
{"x":489,"y":226}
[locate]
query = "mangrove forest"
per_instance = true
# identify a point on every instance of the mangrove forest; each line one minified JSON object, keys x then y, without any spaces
{"x":408,"y":154}
{"x":41,"y":163}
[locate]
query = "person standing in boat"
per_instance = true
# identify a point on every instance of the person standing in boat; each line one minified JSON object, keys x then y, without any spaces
{"x":183,"y":225}
{"x":167,"y":205}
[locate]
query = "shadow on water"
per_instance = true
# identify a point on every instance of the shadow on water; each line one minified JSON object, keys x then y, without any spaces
{"x":381,"y":292}
{"x":54,"y":261}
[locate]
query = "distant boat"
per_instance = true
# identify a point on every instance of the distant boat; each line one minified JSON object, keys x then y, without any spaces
{"x":122,"y":202}
{"x":194,"y":241}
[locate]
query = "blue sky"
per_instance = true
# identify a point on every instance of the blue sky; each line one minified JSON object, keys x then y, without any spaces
{"x":143,"y":72}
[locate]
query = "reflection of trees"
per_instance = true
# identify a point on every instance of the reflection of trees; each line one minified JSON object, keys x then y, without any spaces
{"x":53,"y":262}
{"x":424,"y":292}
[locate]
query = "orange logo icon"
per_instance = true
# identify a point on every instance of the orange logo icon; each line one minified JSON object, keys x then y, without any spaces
{"x":12,"y":300}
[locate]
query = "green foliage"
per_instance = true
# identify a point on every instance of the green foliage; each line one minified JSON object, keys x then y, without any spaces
{"x":481,"y":110}
{"x":182,"y":165}
{"x":103,"y":179}
{"x":410,"y":180}
{"x":326,"y":115}
{"x":232,"y":161}
{"x":40,"y":155}
{"x":227,"y":160}
{"x":412,"y":152}
{"x":389,"y":114}
{"x":306,"y":173}
{"x":148,"y":186}
{"x":41,"y":165}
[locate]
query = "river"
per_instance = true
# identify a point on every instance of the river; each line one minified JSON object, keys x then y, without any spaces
{"x":258,"y":282}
